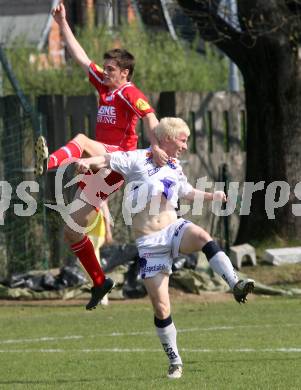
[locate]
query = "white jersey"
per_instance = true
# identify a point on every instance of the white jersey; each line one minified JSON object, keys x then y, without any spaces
{"x":138,"y":169}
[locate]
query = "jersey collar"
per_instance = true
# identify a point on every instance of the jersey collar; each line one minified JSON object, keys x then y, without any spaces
{"x":172,"y":162}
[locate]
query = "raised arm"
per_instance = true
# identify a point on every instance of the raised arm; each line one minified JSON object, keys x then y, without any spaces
{"x":150,"y":121}
{"x":74,"y":48}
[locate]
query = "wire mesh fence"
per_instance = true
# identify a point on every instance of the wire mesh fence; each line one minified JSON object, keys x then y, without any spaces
{"x":31,"y":235}
{"x":22,"y":239}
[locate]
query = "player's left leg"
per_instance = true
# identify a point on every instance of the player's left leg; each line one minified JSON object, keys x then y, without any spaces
{"x":157,"y":289}
{"x":82,"y":247}
{"x":195,"y":239}
{"x":96,"y":232}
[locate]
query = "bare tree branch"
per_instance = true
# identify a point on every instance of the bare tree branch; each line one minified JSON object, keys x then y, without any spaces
{"x":255,"y":19}
{"x":213,"y":27}
{"x":294,"y":6}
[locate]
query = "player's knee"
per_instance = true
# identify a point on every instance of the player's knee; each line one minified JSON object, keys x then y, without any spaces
{"x":162,"y":310}
{"x":67,"y":235}
{"x":202,"y":237}
{"x":70,"y":236}
{"x":81,"y":138}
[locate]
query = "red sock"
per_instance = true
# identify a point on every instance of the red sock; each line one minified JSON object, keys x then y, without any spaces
{"x":84,"y":250}
{"x":72,"y":149}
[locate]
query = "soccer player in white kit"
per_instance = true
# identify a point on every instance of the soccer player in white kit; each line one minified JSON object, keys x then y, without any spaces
{"x":160,"y":234}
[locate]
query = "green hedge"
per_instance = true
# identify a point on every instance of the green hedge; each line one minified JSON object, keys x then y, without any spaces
{"x":162,"y":64}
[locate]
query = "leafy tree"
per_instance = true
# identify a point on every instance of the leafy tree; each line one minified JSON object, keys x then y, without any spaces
{"x":162,"y":64}
{"x":263,"y":39}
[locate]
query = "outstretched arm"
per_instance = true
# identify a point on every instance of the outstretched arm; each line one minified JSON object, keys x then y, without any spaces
{"x":150,"y":121}
{"x":84,"y":165}
{"x":216,"y":195}
{"x":74,"y":48}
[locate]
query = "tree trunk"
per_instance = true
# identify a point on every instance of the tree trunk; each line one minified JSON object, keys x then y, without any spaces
{"x":273,"y":97}
{"x":263,"y":39}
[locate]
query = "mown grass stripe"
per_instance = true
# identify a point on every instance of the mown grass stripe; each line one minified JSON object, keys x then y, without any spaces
{"x":125,"y":334}
{"x":143,"y":350}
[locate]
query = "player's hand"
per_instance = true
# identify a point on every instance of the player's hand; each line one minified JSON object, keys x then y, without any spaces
{"x":81,"y":166}
{"x":219,"y":196}
{"x":159,"y":156}
{"x":59,"y":13}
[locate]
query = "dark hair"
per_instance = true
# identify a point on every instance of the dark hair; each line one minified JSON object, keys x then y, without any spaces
{"x":123,"y":58}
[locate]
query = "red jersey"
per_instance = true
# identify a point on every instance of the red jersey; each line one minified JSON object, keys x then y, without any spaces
{"x":118,"y":111}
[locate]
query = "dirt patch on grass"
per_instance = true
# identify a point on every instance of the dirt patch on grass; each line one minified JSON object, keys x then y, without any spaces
{"x":175,"y":295}
{"x":288,"y":274}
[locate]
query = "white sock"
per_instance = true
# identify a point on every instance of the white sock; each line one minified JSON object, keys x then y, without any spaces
{"x":221,"y":264}
{"x":168,"y":338}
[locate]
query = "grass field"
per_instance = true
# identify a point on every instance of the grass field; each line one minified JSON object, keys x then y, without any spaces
{"x":223,"y":345}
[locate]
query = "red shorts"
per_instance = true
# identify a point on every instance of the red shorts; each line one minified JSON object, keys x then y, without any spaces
{"x":112,"y":182}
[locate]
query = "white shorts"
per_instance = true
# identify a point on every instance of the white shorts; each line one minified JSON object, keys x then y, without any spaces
{"x":157,"y":250}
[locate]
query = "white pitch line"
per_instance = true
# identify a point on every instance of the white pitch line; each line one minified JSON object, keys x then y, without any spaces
{"x":143,"y":350}
{"x":40,"y":339}
{"x":122,"y":334}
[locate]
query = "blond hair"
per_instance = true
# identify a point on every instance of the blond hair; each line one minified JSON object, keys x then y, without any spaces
{"x":171,"y":127}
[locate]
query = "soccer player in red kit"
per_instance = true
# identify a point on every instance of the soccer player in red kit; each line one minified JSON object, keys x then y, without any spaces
{"x":121,"y":104}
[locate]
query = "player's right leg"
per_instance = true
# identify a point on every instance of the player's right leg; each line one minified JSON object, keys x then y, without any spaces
{"x":80,"y":145}
{"x":41,"y":156}
{"x":157,"y":289}
{"x":195,"y":239}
